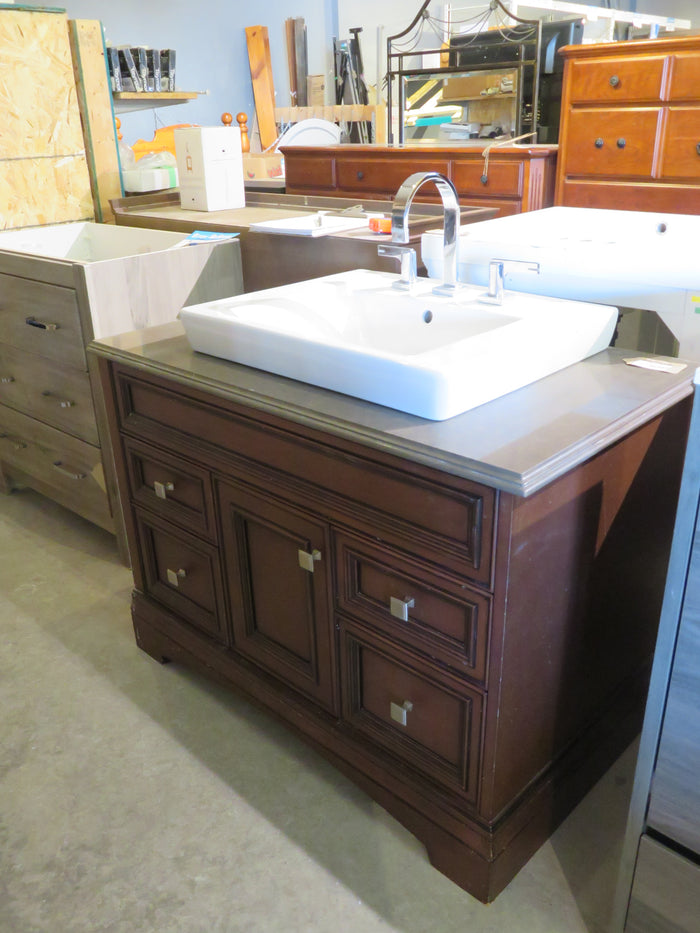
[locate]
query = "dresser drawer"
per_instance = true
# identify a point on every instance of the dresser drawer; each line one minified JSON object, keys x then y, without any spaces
{"x":421,"y":609}
{"x":41,"y":318}
{"x":612,"y":142}
{"x":175,"y":489}
{"x":181,"y":572}
{"x":420,"y":716}
{"x":504,"y":179}
{"x":57,"y":395}
{"x":444,"y":518}
{"x":680,"y":157}
{"x":625,"y":80}
{"x":385,"y":174}
{"x":309,"y":172}
{"x":62,"y":467}
{"x":685,"y":77}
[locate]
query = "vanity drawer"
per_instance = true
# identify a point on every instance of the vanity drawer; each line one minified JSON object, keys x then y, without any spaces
{"x":41,"y":318}
{"x":443,"y":518}
{"x":58,"y":395}
{"x":385,"y":175}
{"x":309,"y":172}
{"x":421,"y":609}
{"x":504,"y":179}
{"x":623,"y":80}
{"x":685,"y":77}
{"x":416,"y":713}
{"x":612,"y":142}
{"x":60,"y":466}
{"x":181,"y":572}
{"x":175,"y":489}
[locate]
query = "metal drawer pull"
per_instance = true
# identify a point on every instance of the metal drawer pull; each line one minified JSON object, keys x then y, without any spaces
{"x":71,"y":474}
{"x":599,"y":143}
{"x":162,"y":489}
{"x":621,"y":143}
{"x":697,"y":148}
{"x":7,"y":379}
{"x":306,"y":560}
{"x":174,"y":576}
{"x":399,"y":713}
{"x":614,"y":81}
{"x":15,"y":441}
{"x":399,"y":607}
{"x":42,"y":325}
{"x":63,"y":402}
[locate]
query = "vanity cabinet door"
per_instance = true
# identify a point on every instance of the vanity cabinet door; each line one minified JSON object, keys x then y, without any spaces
{"x":277,"y":568}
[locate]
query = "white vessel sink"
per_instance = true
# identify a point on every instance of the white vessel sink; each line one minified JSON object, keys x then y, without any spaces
{"x":427,"y":355}
{"x":87,"y":242}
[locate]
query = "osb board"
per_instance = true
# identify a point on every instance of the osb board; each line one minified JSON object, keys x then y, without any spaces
{"x":95,"y":102}
{"x":44,"y":191}
{"x":40,"y":123}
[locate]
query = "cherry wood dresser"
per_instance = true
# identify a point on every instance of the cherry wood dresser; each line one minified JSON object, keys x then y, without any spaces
{"x":512,"y":178}
{"x":630,"y":126}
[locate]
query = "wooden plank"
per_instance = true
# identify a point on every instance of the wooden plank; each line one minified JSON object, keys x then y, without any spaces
{"x":291,"y":59}
{"x":95,"y":102}
{"x":263,"y":86}
{"x":44,"y":191}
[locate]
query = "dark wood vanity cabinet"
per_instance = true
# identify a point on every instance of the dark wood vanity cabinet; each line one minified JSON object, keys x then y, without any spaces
{"x":473,"y":659}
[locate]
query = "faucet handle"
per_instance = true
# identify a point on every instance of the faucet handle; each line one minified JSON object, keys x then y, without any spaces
{"x":497,"y":270}
{"x":407,"y":256}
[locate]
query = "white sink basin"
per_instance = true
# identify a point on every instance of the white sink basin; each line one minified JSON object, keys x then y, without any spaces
{"x":427,"y":355}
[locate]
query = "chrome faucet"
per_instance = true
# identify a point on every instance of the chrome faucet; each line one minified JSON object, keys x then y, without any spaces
{"x":399,"y":230}
{"x":497,"y":274}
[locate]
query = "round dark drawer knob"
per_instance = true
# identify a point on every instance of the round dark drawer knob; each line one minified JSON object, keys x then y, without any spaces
{"x":360,"y":175}
{"x":614,"y":81}
{"x":697,"y":148}
{"x":621,"y":143}
{"x":599,"y":143}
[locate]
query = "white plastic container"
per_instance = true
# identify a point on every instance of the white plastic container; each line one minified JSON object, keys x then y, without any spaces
{"x":210,"y":167}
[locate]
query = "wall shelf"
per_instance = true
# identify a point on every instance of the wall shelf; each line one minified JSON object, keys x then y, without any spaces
{"x":125,"y":101}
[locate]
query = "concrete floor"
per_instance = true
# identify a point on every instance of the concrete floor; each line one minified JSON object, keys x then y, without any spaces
{"x":139,"y":797}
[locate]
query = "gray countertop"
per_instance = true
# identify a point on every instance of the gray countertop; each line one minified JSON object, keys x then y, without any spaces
{"x":518,"y":443}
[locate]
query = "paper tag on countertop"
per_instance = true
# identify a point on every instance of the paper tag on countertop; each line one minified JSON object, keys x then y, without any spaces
{"x":659,"y":366}
{"x":207,"y":236}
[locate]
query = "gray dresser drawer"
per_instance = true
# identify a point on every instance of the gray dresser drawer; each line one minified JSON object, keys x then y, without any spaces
{"x":57,"y":395}
{"x":60,"y":466}
{"x":42,"y":318}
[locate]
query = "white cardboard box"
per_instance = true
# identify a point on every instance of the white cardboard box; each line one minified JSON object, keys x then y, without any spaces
{"x":210,"y":167}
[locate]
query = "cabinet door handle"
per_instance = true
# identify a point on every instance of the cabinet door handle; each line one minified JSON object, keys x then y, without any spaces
{"x":175,"y":576}
{"x":162,"y":489}
{"x":306,"y":560}
{"x":697,"y":148}
{"x":64,"y":471}
{"x":6,"y":379}
{"x":360,"y":175}
{"x":399,"y":607}
{"x":62,"y":402}
{"x":614,"y":81}
{"x":399,"y":713}
{"x":599,"y":143}
{"x":42,"y":325}
{"x":621,"y":143}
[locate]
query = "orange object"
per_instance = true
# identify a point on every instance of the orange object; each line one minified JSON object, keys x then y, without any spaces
{"x":380,"y":224}
{"x":163,"y":141}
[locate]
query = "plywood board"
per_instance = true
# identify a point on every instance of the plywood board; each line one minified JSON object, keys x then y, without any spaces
{"x":95,"y":102}
{"x":44,"y":191}
{"x":43,"y":171}
{"x":263,"y":86}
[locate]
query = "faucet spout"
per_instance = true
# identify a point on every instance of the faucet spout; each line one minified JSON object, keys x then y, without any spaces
{"x":450,"y":209}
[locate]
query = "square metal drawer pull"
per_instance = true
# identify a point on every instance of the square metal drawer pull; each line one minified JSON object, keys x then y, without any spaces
{"x":306,"y":560}
{"x":399,"y":607}
{"x":174,"y":576}
{"x":162,"y":489}
{"x":399,"y":713}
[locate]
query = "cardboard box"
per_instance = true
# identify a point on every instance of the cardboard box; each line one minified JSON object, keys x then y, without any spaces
{"x":263,"y":165}
{"x":315,"y":90}
{"x":209,"y":167}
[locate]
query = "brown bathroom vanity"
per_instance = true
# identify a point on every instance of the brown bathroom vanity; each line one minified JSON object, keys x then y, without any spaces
{"x":460,"y":615}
